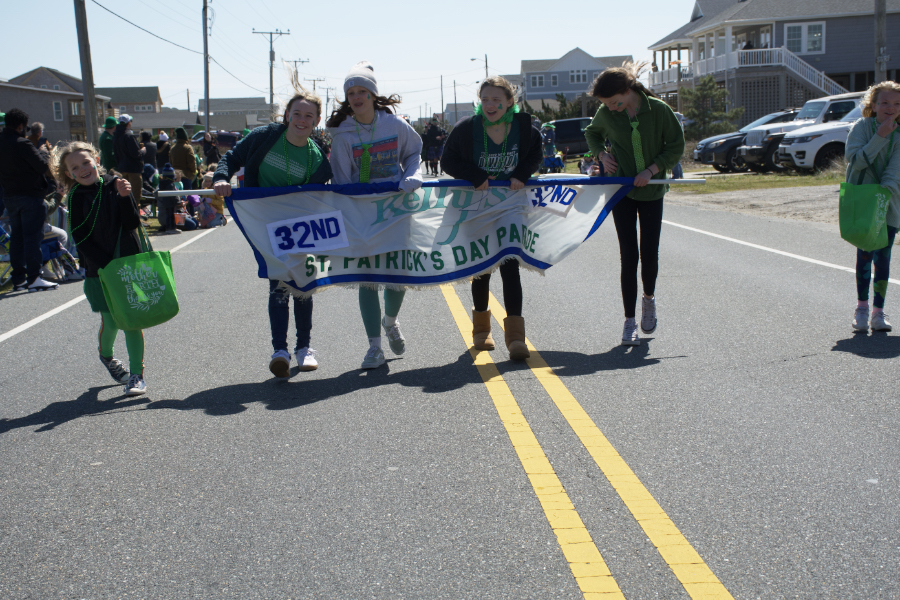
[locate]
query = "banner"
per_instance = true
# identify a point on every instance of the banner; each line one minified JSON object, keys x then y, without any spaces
{"x":315,"y":236}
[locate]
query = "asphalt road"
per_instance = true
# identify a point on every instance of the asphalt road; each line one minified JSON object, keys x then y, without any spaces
{"x":763,"y":429}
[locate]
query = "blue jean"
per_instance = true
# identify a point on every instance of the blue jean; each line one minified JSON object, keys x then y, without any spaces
{"x":26,"y":219}
{"x":279,"y":317}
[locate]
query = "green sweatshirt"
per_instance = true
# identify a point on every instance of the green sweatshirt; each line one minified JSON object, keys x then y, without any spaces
{"x":662,"y":141}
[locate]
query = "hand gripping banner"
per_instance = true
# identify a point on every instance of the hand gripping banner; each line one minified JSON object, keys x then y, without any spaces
{"x":315,"y":236}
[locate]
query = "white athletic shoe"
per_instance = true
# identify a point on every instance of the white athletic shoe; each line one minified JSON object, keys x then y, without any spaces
{"x":280,"y":365}
{"x":861,"y":319}
{"x":135,"y":385}
{"x":39,"y":285}
{"x":395,"y":337}
{"x":306,"y":359}
{"x":648,"y":314}
{"x":880,"y":321}
{"x":374,"y":358}
{"x":630,"y":334}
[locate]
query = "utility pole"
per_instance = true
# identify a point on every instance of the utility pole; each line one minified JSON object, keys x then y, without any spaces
{"x":188,"y":98}
{"x":327,"y":97}
{"x":87,"y":73}
{"x":205,"y":66}
{"x":272,"y":36}
{"x":881,"y":58}
{"x":485,"y":67}
{"x":443,"y":106}
{"x":299,"y":61}
{"x":454,"y":103}
{"x":314,"y":82}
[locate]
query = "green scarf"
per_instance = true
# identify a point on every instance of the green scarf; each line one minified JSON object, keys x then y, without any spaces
{"x":506,"y":118}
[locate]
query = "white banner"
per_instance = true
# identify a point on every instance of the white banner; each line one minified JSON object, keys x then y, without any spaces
{"x":372,"y":234}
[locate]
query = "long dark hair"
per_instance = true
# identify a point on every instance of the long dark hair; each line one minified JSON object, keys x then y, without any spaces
{"x":344,"y":109}
{"x":618,"y":80}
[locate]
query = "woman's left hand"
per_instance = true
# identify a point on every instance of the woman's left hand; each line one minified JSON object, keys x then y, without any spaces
{"x":642,"y":178}
{"x":515,"y":184}
{"x":123,"y":187}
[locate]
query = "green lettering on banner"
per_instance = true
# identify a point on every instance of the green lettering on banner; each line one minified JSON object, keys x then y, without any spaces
{"x":413,"y":204}
{"x":474,"y":252}
{"x":377,"y":260}
{"x":484,"y":244}
{"x":425,"y":200}
{"x":418,"y":260}
{"x":322,"y":260}
{"x":364,"y":261}
{"x":347,"y":262}
{"x":390,"y":257}
{"x":436,"y":259}
{"x":514,"y":234}
{"x":439,"y":198}
{"x":457,"y":195}
{"x":501,"y":233}
{"x":497,"y":193}
{"x":310,"y":266}
{"x":526,"y":237}
{"x":534,"y":238}
{"x":456,"y":251}
{"x":387,"y":204}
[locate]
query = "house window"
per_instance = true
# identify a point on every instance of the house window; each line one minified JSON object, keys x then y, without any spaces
{"x":43,"y":87}
{"x":122,"y":109}
{"x":554,"y":80}
{"x":76,"y":108}
{"x":55,"y":87}
{"x":537,"y":81}
{"x":578,"y":76}
{"x":805,"y":38}
{"x":57,"y":111}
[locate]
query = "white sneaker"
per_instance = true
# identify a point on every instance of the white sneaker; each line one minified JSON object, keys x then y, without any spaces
{"x":135,"y":385}
{"x":39,"y":285}
{"x":395,"y":337}
{"x":648,"y":314}
{"x":374,"y":358}
{"x":306,"y":359}
{"x":880,"y":321}
{"x":280,"y":365}
{"x":630,"y":334}
{"x":861,"y":319}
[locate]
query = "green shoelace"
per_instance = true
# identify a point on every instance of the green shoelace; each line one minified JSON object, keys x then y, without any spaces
{"x":365,"y":161}
{"x":287,"y":160}
{"x":97,"y":199}
{"x":485,"y":123}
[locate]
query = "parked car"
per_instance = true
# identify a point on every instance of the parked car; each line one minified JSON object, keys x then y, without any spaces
{"x":570,"y":135}
{"x":817,"y":146}
{"x":721,"y":151}
{"x":225,"y":140}
{"x":760,"y":149}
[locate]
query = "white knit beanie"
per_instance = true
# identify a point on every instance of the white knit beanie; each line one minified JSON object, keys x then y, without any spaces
{"x":361,"y":74}
{"x":163,"y":137}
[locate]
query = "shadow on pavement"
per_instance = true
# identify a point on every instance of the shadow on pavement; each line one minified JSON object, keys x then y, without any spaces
{"x":57,"y":413}
{"x":877,"y":345}
{"x":573,"y":364}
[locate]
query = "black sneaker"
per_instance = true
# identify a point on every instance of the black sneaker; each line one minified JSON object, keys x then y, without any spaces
{"x":20,"y":287}
{"x":116,"y":369}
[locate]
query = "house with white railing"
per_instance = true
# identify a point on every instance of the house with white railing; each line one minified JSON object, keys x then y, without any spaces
{"x":775,"y":54}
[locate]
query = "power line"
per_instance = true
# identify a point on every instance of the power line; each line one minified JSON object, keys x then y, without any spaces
{"x":233,"y":75}
{"x":144,"y":30}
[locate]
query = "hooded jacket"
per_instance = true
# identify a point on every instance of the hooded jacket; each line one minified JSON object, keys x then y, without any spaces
{"x":22,"y":166}
{"x":396,"y":150}
{"x":252,"y":149}
{"x":128,"y":151}
{"x":148,"y":153}
{"x":181,"y":156}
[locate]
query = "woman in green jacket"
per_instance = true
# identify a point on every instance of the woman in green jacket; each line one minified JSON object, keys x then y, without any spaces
{"x":646,"y":140}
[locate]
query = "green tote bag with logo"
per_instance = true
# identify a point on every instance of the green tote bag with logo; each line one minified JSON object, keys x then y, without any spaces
{"x":862,"y":211}
{"x":140,"y":289}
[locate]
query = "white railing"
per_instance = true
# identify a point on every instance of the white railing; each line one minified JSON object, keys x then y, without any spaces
{"x":771,"y":57}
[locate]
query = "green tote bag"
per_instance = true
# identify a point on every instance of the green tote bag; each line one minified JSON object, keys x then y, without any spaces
{"x":862,"y":211}
{"x":140,"y":289}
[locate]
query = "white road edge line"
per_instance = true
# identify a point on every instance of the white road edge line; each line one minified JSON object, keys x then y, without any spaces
{"x":772,"y":250}
{"x":75,"y":301}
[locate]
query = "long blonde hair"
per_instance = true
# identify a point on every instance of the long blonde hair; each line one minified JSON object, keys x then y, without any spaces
{"x":58,"y":162}
{"x":871,"y":98}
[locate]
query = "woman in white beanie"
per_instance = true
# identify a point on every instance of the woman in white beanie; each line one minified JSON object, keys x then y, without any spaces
{"x":374,"y":145}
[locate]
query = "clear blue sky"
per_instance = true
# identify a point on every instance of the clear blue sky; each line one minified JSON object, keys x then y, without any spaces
{"x":410,"y":43}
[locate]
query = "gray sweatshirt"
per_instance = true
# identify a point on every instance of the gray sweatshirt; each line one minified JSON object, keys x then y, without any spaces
{"x":396,"y":151}
{"x":862,"y":144}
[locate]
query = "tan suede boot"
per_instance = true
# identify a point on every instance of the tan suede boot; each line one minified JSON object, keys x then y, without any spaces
{"x":515,"y":338}
{"x":481,"y":330}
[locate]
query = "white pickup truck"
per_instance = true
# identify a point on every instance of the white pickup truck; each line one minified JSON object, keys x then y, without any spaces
{"x":817,"y":146}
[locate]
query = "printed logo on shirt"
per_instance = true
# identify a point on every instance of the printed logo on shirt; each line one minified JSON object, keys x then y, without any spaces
{"x":385,"y":158}
{"x":276,"y":161}
{"x":498,"y":162}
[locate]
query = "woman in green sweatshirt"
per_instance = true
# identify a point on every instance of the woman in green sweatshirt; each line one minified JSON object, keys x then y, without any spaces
{"x":646,"y":140}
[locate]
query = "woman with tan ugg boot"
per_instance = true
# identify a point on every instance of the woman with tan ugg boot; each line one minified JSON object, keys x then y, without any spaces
{"x":477,"y":152}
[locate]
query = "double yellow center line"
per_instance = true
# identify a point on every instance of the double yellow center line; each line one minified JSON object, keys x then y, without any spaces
{"x":588,"y":567}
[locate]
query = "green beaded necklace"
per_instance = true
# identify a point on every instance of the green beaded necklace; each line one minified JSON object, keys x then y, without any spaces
{"x":97,"y":199}
{"x":484,"y":126}
{"x":287,"y":160}
{"x":365,"y":161}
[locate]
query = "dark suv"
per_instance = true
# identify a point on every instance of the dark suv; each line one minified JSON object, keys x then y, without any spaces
{"x":721,"y":151}
{"x":570,"y":135}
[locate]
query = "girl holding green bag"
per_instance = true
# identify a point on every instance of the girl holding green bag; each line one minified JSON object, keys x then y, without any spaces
{"x":872,"y":146}
{"x":100,"y":208}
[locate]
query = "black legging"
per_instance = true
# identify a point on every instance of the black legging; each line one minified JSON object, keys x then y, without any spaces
{"x":512,"y":289}
{"x":626,"y":214}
